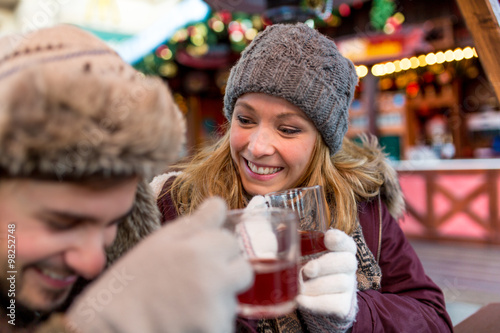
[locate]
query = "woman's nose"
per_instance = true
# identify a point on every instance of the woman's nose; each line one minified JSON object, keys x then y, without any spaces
{"x":261,"y":143}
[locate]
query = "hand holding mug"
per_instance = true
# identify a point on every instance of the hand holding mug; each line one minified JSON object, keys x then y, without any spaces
{"x":268,"y":238}
{"x":310,"y":205}
{"x":329,"y":283}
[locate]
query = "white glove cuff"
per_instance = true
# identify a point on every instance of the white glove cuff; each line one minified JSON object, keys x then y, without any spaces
{"x":317,"y":322}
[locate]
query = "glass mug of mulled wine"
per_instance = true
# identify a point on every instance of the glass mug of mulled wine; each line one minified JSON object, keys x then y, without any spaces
{"x":268,"y":238}
{"x":310,"y":205}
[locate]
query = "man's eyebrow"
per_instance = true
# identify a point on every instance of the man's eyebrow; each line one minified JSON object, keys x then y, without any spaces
{"x":75,"y":217}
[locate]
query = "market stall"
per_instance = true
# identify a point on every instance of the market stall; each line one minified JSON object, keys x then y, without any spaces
{"x":452,"y":199}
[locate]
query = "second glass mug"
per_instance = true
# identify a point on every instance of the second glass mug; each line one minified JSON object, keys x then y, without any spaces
{"x":268,"y":238}
{"x":310,"y":205}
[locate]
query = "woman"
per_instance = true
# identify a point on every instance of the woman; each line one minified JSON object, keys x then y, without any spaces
{"x":287,"y":101}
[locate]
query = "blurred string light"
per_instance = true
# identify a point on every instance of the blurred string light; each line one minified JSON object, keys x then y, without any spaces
{"x":164,"y":52}
{"x":327,"y":11}
{"x":223,"y":28}
{"x":383,"y":15}
{"x":168,"y":69}
{"x":217,"y":25}
{"x":250,"y":34}
{"x":394,"y":23}
{"x":362,"y":70}
{"x":380,"y":13}
{"x":242,"y":30}
{"x":197,"y":39}
{"x":422,"y":60}
{"x":344,"y":10}
{"x":237,"y":30}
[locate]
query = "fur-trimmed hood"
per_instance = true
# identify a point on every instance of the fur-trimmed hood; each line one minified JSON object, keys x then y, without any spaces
{"x":145,"y":218}
{"x":390,"y":190}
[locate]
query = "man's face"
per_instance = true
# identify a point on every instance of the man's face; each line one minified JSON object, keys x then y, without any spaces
{"x":61,"y":231}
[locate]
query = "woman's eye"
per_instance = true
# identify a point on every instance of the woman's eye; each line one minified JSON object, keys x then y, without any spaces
{"x":290,"y":130}
{"x":243,"y":120}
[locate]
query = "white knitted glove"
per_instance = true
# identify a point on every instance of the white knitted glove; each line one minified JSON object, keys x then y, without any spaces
{"x":257,"y":202}
{"x":183,"y":278}
{"x":256,"y":233}
{"x":329,"y":287}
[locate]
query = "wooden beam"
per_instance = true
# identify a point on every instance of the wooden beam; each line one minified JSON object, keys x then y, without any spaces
{"x":485,"y":30}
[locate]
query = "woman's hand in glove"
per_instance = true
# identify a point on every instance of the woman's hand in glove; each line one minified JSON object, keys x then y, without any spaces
{"x":256,"y":232}
{"x":183,"y":278}
{"x":330,"y":286}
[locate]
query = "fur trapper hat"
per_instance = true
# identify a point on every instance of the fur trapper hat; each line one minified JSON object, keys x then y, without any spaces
{"x":70,"y":107}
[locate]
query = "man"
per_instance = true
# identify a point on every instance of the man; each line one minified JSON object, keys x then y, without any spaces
{"x":81,"y":133}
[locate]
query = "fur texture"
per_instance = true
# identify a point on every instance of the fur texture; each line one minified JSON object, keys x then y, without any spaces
{"x":71,"y":107}
{"x":145,"y":219}
{"x":390,"y":192}
{"x":158,"y":181}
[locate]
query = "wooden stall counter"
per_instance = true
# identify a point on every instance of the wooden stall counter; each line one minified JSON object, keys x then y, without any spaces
{"x":451,"y":199}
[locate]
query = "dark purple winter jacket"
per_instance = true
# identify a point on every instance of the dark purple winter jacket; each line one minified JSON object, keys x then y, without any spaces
{"x":408,"y":301}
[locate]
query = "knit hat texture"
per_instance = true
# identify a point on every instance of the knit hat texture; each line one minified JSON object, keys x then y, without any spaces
{"x":301,"y":65}
{"x":71,"y":107}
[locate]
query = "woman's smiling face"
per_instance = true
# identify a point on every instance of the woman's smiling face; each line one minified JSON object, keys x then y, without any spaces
{"x":271,"y":141}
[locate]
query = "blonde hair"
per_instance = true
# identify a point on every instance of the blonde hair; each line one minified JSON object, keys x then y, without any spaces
{"x":352,"y":175}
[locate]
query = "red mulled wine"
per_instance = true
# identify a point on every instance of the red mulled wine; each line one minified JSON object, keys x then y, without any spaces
{"x":275,"y":283}
{"x":311,"y":242}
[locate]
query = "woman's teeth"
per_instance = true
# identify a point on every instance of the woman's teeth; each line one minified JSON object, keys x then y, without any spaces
{"x":261,"y":170}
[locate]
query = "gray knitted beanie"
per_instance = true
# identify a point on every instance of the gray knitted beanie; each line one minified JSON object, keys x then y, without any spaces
{"x":299,"y":64}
